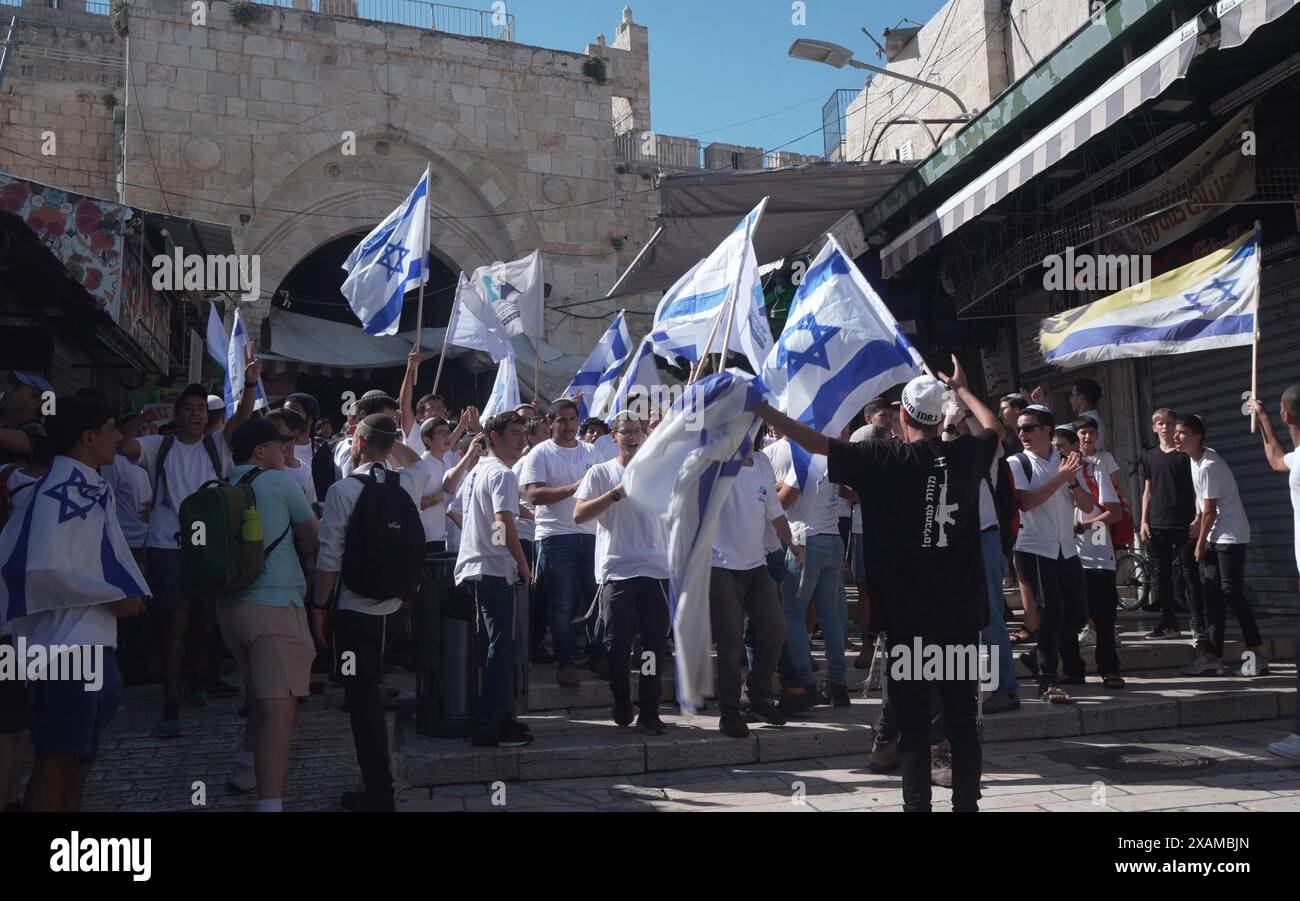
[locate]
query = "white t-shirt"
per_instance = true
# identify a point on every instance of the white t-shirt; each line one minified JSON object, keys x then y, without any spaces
{"x":629,"y":542}
{"x":434,"y":518}
{"x":771,"y":540}
{"x":856,"y":528}
{"x":132,"y":491}
{"x":604,"y":449}
{"x":456,"y":505}
{"x":1292,"y":461}
{"x":1101,"y":429}
{"x":527,"y":527}
{"x":750,"y":509}
{"x":343,"y":457}
{"x":989,"y":509}
{"x":817,"y":511}
{"x":1104,"y":462}
{"x":490,"y":489}
{"x":340,"y":501}
{"x":1213,"y":480}
{"x":302,"y":475}
{"x":187,"y":469}
{"x":1048,"y":529}
{"x":1095,"y":548}
{"x":304,"y":454}
{"x":555,"y":466}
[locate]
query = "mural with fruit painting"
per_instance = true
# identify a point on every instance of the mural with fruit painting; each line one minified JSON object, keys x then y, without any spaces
{"x":84,"y":233}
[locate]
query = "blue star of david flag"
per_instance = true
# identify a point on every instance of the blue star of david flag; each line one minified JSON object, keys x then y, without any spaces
{"x":598,"y":376}
{"x":840,"y":347}
{"x":1208,"y":304}
{"x":388,"y":263}
{"x":684,"y":471}
{"x":236,"y":358}
{"x":62,"y":547}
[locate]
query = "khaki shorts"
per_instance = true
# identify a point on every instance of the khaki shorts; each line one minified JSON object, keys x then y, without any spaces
{"x":273,"y":647}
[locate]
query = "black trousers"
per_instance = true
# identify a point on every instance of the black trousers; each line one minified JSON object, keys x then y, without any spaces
{"x":958,"y":701}
{"x":1165,"y":545}
{"x":1102,"y":601}
{"x":1223,"y":573}
{"x":628,"y":606}
{"x":358,"y":646}
{"x":734,"y":595}
{"x":1058,"y":591}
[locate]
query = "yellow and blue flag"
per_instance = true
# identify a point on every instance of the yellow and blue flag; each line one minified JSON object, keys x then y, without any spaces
{"x":1210,"y":303}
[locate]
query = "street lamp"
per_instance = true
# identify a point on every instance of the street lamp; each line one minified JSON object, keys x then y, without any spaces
{"x":839,"y":57}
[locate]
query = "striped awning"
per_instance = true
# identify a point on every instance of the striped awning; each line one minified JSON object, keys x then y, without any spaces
{"x":1240,"y":18}
{"x":1146,"y":77}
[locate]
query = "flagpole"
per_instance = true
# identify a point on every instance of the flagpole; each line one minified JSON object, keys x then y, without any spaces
{"x":708,"y":345}
{"x":451,"y":324}
{"x":1254,"y":344}
{"x":424,"y":273}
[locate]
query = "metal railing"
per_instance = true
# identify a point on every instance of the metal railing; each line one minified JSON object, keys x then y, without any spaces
{"x":660,"y":151}
{"x":834,"y":113}
{"x":458,"y":20}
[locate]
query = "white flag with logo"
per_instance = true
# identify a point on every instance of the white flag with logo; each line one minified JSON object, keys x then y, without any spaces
{"x":474,"y":324}
{"x":516,"y":291}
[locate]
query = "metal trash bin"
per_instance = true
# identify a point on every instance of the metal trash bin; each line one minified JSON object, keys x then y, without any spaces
{"x":446,"y":652}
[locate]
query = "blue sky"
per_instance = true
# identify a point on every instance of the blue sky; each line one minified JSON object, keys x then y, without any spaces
{"x":717,"y":63}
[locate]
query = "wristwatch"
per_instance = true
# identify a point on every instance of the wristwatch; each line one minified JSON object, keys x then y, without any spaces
{"x":616,"y":495}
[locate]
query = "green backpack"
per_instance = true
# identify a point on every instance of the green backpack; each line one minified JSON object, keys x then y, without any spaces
{"x":230,"y":558}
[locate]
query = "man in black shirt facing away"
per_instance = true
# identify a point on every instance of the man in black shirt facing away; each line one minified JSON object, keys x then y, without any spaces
{"x":937,"y":598}
{"x":1168,"y":517}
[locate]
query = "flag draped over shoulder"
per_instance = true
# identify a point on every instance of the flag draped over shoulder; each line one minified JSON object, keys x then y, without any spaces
{"x":65,"y":548}
{"x":236,"y":358}
{"x":840,"y":347}
{"x":685,"y":470}
{"x":390,"y":262}
{"x":686,"y":314}
{"x":516,"y":291}
{"x":597,"y":376}
{"x":474,"y":324}
{"x":505,"y":390}
{"x":1208,"y":304}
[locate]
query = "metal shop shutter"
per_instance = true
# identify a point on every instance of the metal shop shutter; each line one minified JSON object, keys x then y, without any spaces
{"x":1213,"y":384}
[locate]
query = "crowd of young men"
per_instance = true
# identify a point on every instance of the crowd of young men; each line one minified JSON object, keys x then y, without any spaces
{"x":944,"y":502}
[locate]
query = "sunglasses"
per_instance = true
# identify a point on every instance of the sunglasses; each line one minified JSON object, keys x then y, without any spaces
{"x":1028,"y":428}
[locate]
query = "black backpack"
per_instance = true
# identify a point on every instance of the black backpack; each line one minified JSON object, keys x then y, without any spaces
{"x":383,"y":550}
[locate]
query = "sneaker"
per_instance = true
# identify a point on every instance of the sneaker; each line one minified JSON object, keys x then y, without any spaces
{"x":1254,"y":665}
{"x":360,"y":802}
{"x":884,"y":755}
{"x":194,"y":692}
{"x":567,"y":677}
{"x":1162,"y":632}
{"x":732,"y":724}
{"x":819,"y":696}
{"x":218,"y":688}
{"x":1087,"y":638}
{"x":491,"y":736}
{"x":650,"y":724}
{"x":839,"y":693}
{"x":1000,"y":702}
{"x":941,"y":765}
{"x":511,"y":726}
{"x":1288,"y":747}
{"x":242,"y":781}
{"x":623,"y":713}
{"x":1205,"y":665}
{"x":765,"y":711}
{"x":791,"y":704}
{"x":169,"y":728}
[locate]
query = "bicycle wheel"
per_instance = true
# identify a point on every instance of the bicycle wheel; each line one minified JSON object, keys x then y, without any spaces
{"x":1133,"y":581}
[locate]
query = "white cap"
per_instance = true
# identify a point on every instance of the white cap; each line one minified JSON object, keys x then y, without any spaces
{"x":215,"y":403}
{"x":923,"y":399}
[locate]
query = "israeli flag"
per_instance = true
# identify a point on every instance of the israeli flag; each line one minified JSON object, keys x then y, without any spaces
{"x":218,"y":345}
{"x":388,"y":263}
{"x":64,"y":549}
{"x":597,"y":377}
{"x":505,"y":390}
{"x":642,"y":377}
{"x":685,"y":470}
{"x":840,"y":348}
{"x":236,"y":359}
{"x":474,"y":324}
{"x":687,"y":312}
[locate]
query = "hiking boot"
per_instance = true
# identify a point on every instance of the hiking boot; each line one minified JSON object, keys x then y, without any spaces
{"x":1205,"y":665}
{"x":567,"y":677}
{"x":941,"y":765}
{"x":792,"y":704}
{"x":839,"y":694}
{"x":360,"y":802}
{"x":1000,"y":702}
{"x":732,"y":724}
{"x":765,"y":711}
{"x":623,"y":713}
{"x":649,"y":724}
{"x":242,"y":780}
{"x":490,"y":735}
{"x":884,"y":755}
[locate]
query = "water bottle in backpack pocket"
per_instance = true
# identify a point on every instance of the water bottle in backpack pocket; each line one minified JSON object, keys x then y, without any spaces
{"x":221,"y":539}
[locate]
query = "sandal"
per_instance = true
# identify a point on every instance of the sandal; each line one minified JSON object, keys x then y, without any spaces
{"x":1113,"y":681}
{"x":1023,"y":636}
{"x":1054,"y":694}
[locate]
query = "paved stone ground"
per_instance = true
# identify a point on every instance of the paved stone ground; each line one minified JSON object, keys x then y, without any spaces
{"x":1220,"y":768}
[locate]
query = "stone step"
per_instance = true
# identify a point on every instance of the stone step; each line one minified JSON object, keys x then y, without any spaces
{"x":582,"y":741}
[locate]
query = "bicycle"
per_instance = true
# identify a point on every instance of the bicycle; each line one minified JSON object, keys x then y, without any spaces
{"x":1135,"y":578}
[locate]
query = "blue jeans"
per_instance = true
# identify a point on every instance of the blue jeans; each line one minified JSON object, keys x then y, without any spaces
{"x":496,"y":606}
{"x":567,"y":566}
{"x":995,"y":633}
{"x":822,"y":582}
